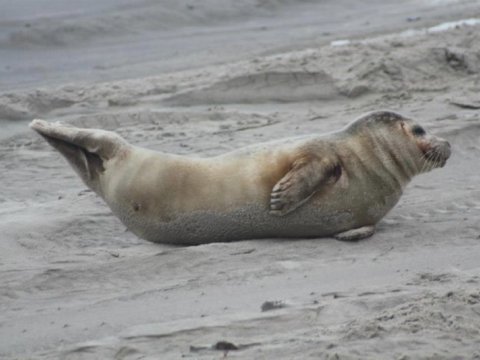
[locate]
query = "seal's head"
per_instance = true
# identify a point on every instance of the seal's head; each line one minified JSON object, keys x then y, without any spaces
{"x":404,"y":142}
{"x":435,"y":151}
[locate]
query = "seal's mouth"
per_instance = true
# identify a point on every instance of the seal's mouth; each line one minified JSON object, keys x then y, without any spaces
{"x":438,"y":154}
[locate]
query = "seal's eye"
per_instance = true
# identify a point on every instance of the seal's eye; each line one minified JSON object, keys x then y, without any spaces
{"x":418,"y":130}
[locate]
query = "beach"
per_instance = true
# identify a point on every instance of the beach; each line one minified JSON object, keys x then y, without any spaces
{"x":204,"y":78}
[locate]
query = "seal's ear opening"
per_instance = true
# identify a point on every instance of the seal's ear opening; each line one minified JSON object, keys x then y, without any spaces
{"x":84,"y":149}
{"x":403,"y":126}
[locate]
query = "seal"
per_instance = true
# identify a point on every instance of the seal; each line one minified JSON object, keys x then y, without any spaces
{"x":337,"y":184}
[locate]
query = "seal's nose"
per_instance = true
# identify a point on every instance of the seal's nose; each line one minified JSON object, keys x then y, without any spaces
{"x":446,"y":150}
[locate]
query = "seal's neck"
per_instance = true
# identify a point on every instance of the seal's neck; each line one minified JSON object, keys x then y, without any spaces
{"x":398,"y":156}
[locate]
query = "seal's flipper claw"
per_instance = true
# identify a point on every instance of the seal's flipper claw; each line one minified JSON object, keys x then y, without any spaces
{"x":305,"y":177}
{"x":356,"y":234}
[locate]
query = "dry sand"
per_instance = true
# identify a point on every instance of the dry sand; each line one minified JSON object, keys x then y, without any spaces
{"x":75,"y":285}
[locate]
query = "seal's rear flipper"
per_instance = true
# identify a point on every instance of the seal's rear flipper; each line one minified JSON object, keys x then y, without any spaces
{"x":85,"y":149}
{"x":356,"y":234}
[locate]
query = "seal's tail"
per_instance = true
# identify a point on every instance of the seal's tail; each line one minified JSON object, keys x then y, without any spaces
{"x":85,"y":149}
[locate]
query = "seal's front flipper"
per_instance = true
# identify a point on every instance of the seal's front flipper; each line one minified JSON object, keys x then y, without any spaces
{"x":304,"y":179}
{"x":85,"y":149}
{"x":356,"y":234}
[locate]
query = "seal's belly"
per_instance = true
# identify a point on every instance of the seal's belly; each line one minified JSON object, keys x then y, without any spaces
{"x":324,"y":215}
{"x":241,"y":224}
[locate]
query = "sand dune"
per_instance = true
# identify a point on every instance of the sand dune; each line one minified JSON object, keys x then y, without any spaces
{"x":423,"y":63}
